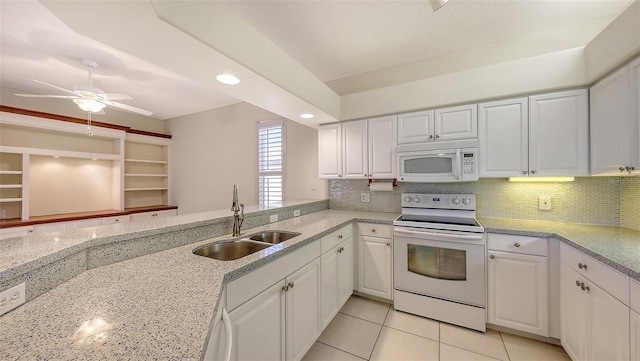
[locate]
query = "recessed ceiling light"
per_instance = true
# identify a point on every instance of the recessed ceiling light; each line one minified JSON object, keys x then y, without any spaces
{"x":306,"y":116}
{"x":228,"y":79}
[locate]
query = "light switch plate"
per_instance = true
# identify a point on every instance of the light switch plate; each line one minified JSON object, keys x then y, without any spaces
{"x":544,"y":203}
{"x":296,"y":213}
{"x":273,"y":218}
{"x":365,"y":197}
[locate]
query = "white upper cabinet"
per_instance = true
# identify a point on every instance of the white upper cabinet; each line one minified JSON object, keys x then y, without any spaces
{"x":503,"y":138}
{"x":615,"y":123}
{"x":543,"y":135}
{"x":456,"y":122}
{"x":355,"y":149}
{"x":358,"y":149}
{"x":559,"y":134}
{"x":415,"y":127}
{"x":330,"y":150}
{"x":382,"y":143}
{"x":438,"y":125}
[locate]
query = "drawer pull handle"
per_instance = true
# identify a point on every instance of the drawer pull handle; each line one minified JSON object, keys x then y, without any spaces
{"x":584,"y":287}
{"x":340,"y":237}
{"x":582,"y":266}
{"x":517,"y":244}
{"x":492,"y":256}
{"x":373,"y":230}
{"x":285,"y":288}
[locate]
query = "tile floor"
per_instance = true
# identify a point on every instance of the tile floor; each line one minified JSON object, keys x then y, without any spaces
{"x":372,"y":330}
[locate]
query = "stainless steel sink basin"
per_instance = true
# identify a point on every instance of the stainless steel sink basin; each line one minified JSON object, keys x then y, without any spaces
{"x":273,"y":237}
{"x":230,"y":250}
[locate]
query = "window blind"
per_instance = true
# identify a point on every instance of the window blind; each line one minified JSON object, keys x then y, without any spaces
{"x":271,"y":162}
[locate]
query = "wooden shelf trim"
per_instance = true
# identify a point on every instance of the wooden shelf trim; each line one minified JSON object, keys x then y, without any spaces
{"x":2,"y":172}
{"x":146,"y":161}
{"x":10,"y":200}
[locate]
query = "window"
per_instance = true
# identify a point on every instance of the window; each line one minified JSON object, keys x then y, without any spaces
{"x":271,"y":162}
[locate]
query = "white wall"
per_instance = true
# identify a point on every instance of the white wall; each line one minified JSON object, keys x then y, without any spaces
{"x":68,"y":108}
{"x":213,"y":150}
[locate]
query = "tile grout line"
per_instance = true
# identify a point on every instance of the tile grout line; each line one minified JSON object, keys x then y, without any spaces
{"x":476,"y":352}
{"x":335,"y":348}
{"x":505,"y":346}
{"x":379,"y":333}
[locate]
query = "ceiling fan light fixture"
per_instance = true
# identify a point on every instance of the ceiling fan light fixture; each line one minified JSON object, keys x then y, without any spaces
{"x":228,"y":79}
{"x":437,"y":4}
{"x":89,"y":105}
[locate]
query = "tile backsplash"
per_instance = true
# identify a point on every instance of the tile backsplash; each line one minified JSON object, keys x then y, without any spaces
{"x":598,"y":200}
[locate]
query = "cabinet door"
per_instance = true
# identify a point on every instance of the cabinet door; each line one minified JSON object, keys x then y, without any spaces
{"x":634,"y":72}
{"x":609,"y":326}
{"x":574,"y":311}
{"x":375,"y":266}
{"x":609,"y":104}
{"x":456,"y":122}
{"x":259,"y":326}
{"x":329,"y":279}
{"x":503,"y":135}
{"x":518,"y":292}
{"x":15,"y":232}
{"x":415,"y":127}
{"x":50,"y":227}
{"x":345,"y":271}
{"x":330,"y":151}
{"x":634,"y":329}
{"x":217,"y":343}
{"x":303,"y":310}
{"x":355,"y":159}
{"x":382,"y":144}
{"x":558,"y":134}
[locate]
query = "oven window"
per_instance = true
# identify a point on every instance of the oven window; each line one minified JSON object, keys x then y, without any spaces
{"x":428,"y":165}
{"x":435,"y":262}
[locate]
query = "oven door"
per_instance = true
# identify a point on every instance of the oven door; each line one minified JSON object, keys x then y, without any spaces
{"x":445,"y":265}
{"x":430,"y":166}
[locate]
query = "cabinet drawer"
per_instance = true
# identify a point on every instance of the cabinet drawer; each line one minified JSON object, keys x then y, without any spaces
{"x":634,"y":292}
{"x":15,"y":232}
{"x":612,"y":281}
{"x":536,"y":246}
{"x":332,"y":239}
{"x":374,"y":230}
{"x":117,"y":219}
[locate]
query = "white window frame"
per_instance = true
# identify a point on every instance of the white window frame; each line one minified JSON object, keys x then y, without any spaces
{"x":281,"y":173}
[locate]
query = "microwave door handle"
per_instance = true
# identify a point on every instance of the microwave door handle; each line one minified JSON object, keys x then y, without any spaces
{"x":458,"y":168}
{"x":440,"y":235}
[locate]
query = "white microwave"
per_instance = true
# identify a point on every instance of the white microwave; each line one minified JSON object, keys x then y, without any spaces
{"x":438,"y":162}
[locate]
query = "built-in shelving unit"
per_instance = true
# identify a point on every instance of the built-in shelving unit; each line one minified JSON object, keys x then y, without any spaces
{"x":12,"y":193}
{"x":146,"y":174}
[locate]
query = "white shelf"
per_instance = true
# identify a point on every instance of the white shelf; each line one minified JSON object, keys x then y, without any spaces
{"x":58,"y":153}
{"x":146,"y":161}
{"x":10,"y":186}
{"x":10,"y":172}
{"x":10,"y":200}
{"x":146,"y":189}
{"x":145,"y":175}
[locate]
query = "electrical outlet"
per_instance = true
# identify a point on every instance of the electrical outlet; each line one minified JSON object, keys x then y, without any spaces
{"x":544,"y":203}
{"x":273,"y":218}
{"x":12,"y":298}
{"x":365,"y":197}
{"x":296,"y":213}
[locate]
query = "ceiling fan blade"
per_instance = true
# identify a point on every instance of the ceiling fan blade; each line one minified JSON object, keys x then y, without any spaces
{"x":126,"y":107}
{"x":55,"y":86}
{"x":115,"y":96}
{"x":47,"y":96}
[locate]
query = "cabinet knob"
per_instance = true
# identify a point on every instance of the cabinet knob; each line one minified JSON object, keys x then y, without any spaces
{"x":285,"y":288}
{"x":373,"y":230}
{"x":340,"y":237}
{"x":582,"y":266}
{"x":388,"y":243}
{"x":492,"y":256}
{"x":621,"y":169}
{"x":578,"y":283}
{"x":431,"y":136}
{"x":583,"y":286}
{"x":534,"y":171}
{"x":517,"y":244}
{"x":30,"y":231}
{"x":524,"y":172}
{"x":291,"y":284}
{"x":437,"y":136}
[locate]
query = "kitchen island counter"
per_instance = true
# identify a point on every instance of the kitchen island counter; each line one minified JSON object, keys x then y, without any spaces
{"x":614,"y":246}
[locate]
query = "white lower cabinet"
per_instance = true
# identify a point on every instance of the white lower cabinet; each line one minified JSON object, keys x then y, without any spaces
{"x":219,"y":338}
{"x":634,"y":330}
{"x":595,"y":324}
{"x":518,"y":292}
{"x":375,"y":249}
{"x":337,"y":279}
{"x":152,"y":215}
{"x":281,"y":323}
{"x":15,"y":232}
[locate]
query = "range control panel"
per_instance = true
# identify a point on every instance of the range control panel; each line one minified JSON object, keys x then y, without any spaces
{"x":444,"y":201}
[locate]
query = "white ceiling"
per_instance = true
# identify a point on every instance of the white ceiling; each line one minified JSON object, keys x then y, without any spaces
{"x":350,"y":45}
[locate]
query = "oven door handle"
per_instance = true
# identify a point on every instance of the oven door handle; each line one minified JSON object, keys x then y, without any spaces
{"x":441,"y":235}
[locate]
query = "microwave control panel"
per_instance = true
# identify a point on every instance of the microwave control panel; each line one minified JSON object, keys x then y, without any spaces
{"x":468,"y":163}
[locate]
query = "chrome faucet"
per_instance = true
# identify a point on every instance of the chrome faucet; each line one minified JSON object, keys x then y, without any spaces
{"x":236,"y":207}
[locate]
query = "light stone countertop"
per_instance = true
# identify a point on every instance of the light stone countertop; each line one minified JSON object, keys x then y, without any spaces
{"x":158,"y":306}
{"x":617,"y":247}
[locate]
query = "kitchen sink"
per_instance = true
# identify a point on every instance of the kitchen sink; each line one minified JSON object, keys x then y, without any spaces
{"x":230,"y":250}
{"x":273,"y":237}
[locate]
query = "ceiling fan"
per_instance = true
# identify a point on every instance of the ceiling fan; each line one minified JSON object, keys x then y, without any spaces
{"x":89,"y":98}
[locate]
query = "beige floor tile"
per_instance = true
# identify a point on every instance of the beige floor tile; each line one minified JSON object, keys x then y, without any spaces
{"x":521,"y":348}
{"x":367,"y":309}
{"x":397,"y":345}
{"x":488,"y":343}
{"x":322,"y":352}
{"x":351,"y":334}
{"x":450,"y":353}
{"x":416,"y":325}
